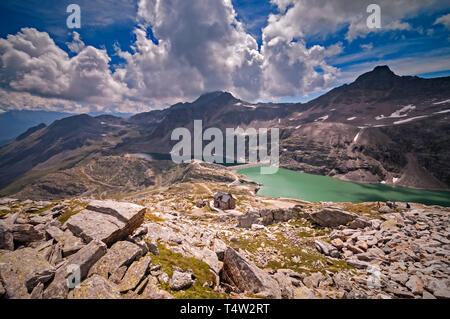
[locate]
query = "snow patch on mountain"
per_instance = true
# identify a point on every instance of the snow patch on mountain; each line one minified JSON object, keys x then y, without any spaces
{"x":442,"y":102}
{"x":323,"y":118}
{"x":442,"y":112}
{"x":245,"y":105}
{"x":410,"y":119}
{"x":403,"y":112}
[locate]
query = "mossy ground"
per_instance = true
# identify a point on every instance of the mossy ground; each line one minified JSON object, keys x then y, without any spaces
{"x":167,"y":259}
{"x":153,"y":218}
{"x":366,"y":209}
{"x":307,"y":258}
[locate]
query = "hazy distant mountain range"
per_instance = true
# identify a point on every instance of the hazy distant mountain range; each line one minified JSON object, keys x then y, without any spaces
{"x":14,"y":123}
{"x":380,"y":128}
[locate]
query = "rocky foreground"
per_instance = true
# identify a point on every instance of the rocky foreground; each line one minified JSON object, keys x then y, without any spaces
{"x":164,"y":246}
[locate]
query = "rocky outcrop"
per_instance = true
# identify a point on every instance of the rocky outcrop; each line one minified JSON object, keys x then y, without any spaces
{"x":332,"y":217}
{"x":70,"y":243}
{"x":108,"y":221}
{"x":84,"y":259}
{"x":403,"y":256}
{"x":121,"y":254}
{"x":22,"y":270}
{"x":246,"y":276}
{"x":25,"y":234}
{"x":265,"y":217}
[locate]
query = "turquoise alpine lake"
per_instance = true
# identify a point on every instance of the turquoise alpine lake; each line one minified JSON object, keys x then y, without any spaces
{"x":314,"y":188}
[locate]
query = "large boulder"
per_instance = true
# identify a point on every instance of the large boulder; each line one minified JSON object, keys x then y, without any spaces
{"x":248,"y":219}
{"x":246,"y":276}
{"x":22,"y":270}
{"x":332,"y":217}
{"x":108,"y":221}
{"x":122,"y":253}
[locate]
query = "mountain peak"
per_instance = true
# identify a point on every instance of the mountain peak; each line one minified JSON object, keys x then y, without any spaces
{"x":381,"y":77}
{"x":382,"y":69}
{"x":214,"y":96}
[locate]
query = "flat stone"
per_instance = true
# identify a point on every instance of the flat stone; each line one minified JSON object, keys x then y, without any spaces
{"x":246,"y":276}
{"x":122,"y":253}
{"x":108,"y":221}
{"x":332,"y":217}
{"x":96,"y":287}
{"x":135,"y":274}
{"x":357,"y":263}
{"x":22,"y":270}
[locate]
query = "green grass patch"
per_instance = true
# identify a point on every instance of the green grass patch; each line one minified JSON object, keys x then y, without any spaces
{"x":167,"y":259}
{"x":75,"y":208}
{"x":308,"y":259}
{"x":152,"y":218}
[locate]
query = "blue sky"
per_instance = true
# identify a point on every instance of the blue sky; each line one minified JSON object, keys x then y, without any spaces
{"x":314,"y":51}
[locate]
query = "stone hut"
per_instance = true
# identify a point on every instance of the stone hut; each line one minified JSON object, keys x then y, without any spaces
{"x":224,"y":201}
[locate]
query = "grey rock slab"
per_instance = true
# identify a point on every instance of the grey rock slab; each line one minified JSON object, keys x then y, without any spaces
{"x":332,"y":217}
{"x":109,"y":221}
{"x":70,"y":243}
{"x":135,"y":273}
{"x":246,"y":276}
{"x":122,"y":253}
{"x":84,"y":259}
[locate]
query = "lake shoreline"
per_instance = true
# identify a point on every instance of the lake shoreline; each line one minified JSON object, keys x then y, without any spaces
{"x":317,"y":188}
{"x":341,"y":178}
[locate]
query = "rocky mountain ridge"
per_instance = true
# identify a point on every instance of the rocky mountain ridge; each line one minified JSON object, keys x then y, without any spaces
{"x":359,"y":132}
